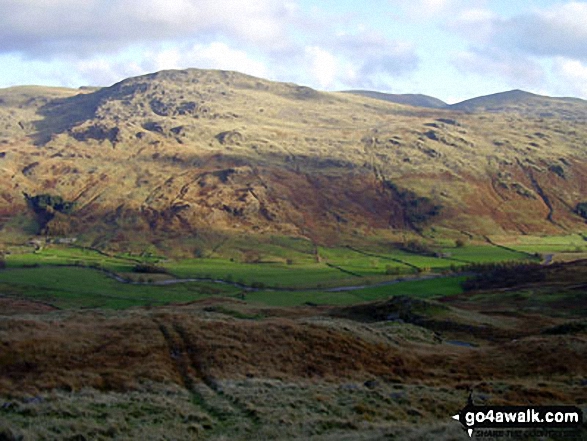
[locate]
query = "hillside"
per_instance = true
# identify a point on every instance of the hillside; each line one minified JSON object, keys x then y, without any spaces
{"x":529,"y":104}
{"x":176,"y":158}
{"x":409,"y":99}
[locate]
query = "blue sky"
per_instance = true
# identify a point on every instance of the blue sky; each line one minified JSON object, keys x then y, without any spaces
{"x":450,"y":49}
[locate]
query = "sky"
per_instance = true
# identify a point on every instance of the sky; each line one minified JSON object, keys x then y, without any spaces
{"x":450,"y":49}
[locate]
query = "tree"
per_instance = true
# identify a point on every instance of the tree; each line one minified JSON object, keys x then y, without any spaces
{"x":46,"y":206}
{"x":581,"y":209}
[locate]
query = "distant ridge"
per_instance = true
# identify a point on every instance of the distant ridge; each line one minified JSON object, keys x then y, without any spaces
{"x":510,"y":100}
{"x":417,"y":100}
{"x":497,"y":100}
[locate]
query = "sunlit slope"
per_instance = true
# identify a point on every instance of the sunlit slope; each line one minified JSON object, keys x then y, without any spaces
{"x":179,"y":154}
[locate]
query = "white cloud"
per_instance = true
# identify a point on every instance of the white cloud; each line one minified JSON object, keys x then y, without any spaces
{"x":573,"y":76}
{"x":323,"y":66}
{"x":103,"y":70}
{"x":217,"y":55}
{"x":434,"y":7}
{"x":519,"y":48}
{"x":164,"y":59}
{"x":364,"y":59}
{"x":560,"y":30}
{"x":107,"y":40}
{"x":43,"y":28}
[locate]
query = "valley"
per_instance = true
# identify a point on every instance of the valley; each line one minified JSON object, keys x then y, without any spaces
{"x":393,"y":361}
{"x":208,"y":255}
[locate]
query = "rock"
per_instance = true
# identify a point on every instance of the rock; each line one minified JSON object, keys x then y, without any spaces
{"x":97,"y":132}
{"x":230,"y":137}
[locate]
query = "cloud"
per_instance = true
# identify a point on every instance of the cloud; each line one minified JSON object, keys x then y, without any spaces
{"x":475,"y":24}
{"x":518,"y":71}
{"x":573,"y":76}
{"x":108,"y":40}
{"x":560,"y":30}
{"x":44,"y":28}
{"x":104,"y":70}
{"x":216,"y":55}
{"x":542,"y":48}
{"x":374,"y":57}
{"x":436,"y":10}
{"x":364,"y":59}
{"x":437,"y":6}
{"x":323,"y":66}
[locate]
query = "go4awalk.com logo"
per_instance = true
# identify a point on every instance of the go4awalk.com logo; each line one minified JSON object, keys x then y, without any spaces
{"x":502,"y":421}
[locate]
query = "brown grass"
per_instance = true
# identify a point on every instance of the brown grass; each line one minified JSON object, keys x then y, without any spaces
{"x":192,"y":371}
{"x":118,"y":352}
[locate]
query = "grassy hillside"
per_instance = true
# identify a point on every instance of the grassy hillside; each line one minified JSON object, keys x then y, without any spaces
{"x":187,"y":160}
{"x":519,"y":101}
{"x":416,"y":100}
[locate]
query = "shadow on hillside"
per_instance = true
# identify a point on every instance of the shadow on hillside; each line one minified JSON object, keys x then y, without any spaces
{"x":60,"y":115}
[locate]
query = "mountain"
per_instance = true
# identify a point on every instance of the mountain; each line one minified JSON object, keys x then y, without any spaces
{"x":181,"y":159}
{"x":497,"y":102}
{"x":416,"y":100}
{"x":527,"y":103}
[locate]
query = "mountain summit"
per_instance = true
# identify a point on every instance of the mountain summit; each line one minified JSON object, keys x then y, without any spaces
{"x":525,"y":102}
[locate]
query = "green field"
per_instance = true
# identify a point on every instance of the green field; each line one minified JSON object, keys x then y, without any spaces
{"x":431,"y":288}
{"x":72,"y":256}
{"x":571,"y":243}
{"x":487,"y":254}
{"x":290,"y":273}
{"x":67,"y":287}
{"x":277,"y":275}
{"x":367,"y":263}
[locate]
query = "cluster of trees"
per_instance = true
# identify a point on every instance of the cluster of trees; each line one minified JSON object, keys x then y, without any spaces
{"x":502,"y":275}
{"x":581,"y":209}
{"x":48,"y":203}
{"x":148,"y":268}
{"x":46,"y":206}
{"x":418,"y":247}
